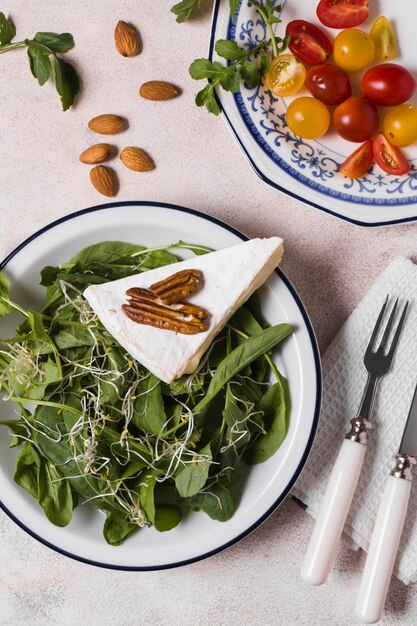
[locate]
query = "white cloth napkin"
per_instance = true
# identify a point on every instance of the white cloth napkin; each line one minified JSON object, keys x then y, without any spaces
{"x":344,"y":378}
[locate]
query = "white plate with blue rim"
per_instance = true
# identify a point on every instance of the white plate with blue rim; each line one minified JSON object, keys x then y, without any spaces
{"x":262,"y":488}
{"x":309,"y":169}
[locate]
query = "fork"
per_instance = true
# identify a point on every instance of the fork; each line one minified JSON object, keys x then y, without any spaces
{"x":345,"y":474}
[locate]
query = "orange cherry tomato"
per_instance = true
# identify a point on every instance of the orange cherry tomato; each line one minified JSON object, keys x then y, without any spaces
{"x":285,"y":75}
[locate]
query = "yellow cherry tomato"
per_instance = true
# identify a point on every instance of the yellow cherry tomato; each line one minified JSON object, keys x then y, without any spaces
{"x":353,"y":49}
{"x":384,"y":39}
{"x":308,"y":117}
{"x":285,"y":75}
{"x":400,"y":125}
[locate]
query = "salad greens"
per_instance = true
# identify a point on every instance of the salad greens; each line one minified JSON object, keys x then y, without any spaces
{"x":104,"y":430}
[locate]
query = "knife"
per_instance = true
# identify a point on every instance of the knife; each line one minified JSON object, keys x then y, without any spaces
{"x":388,"y":526}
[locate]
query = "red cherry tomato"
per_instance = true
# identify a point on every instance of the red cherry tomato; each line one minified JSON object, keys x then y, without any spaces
{"x":359,"y":162}
{"x":356,"y":119}
{"x":342,"y":13}
{"x":308,"y":43}
{"x":388,"y":84}
{"x":389,"y":157}
{"x":328,"y":83}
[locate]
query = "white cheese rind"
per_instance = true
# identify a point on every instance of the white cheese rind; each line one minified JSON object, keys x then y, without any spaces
{"x":230,"y":277}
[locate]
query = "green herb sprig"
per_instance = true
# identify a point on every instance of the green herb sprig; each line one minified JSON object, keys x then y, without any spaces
{"x":240,"y":66}
{"x":43,"y":58}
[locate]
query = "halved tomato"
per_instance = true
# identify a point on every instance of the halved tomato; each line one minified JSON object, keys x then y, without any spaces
{"x":308,"y":43}
{"x":342,"y":13}
{"x":389,"y":157}
{"x":359,"y":162}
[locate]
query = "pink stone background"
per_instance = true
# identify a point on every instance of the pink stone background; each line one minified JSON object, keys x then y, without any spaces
{"x":198,"y":164}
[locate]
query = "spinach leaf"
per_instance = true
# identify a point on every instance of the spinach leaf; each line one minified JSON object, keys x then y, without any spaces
{"x":149,"y":414}
{"x":106,"y":252}
{"x":272,"y":404}
{"x":5,"y":306}
{"x":55,"y":495}
{"x":7,"y":30}
{"x":26,"y":469}
{"x":39,"y":62}
{"x":216,"y":501}
{"x":54,"y":41}
{"x":194,"y":474}
{"x":117,"y":528}
{"x":167,"y":516}
{"x":241,"y":356}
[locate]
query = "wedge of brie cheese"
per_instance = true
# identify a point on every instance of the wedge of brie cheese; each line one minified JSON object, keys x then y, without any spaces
{"x":230,"y":276}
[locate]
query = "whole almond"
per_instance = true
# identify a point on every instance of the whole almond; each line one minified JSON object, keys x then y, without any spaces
{"x":158,"y":90}
{"x":126,"y":40}
{"x":136,"y":159}
{"x":107,"y":124}
{"x":96,"y":154}
{"x":103,"y":180}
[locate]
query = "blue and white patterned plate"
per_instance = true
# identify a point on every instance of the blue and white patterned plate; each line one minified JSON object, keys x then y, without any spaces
{"x":308,"y":169}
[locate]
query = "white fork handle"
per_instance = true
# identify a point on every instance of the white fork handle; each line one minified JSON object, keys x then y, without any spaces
{"x":334,"y":509}
{"x":382,"y":550}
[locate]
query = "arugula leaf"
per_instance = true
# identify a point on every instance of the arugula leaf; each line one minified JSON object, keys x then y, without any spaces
{"x":39,"y":62}
{"x":54,"y":41}
{"x":250,"y":73}
{"x":185,"y":9}
{"x":66,"y":81}
{"x":7,"y":30}
{"x":233,"y":5}
{"x":207,"y":97}
{"x":228,"y":50}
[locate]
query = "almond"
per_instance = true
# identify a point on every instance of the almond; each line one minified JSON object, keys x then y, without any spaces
{"x":136,"y":159}
{"x":96,"y":154}
{"x":158,"y":90}
{"x":126,"y":40}
{"x":107,"y":124}
{"x":103,"y":180}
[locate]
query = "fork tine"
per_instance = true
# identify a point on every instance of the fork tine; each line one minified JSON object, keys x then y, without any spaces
{"x":398,"y":332}
{"x":377,"y":325}
{"x":388,"y":327}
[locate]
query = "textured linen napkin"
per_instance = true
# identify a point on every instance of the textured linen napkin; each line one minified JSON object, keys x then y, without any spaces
{"x":344,"y":378}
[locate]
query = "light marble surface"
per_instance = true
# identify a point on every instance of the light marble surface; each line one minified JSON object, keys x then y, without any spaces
{"x":331,"y":263}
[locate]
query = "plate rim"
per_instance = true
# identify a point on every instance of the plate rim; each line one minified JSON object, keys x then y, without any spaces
{"x":264,"y":177}
{"x":317,"y":407}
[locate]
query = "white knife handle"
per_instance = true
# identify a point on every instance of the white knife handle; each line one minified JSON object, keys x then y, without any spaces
{"x":333,"y":512}
{"x":382,"y":550}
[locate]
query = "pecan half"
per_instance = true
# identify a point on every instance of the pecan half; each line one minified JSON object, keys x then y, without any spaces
{"x":175,"y":321}
{"x":145,"y":295}
{"x":177,"y":286}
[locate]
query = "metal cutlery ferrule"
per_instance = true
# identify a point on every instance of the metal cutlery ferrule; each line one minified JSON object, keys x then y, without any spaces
{"x":403,"y":466}
{"x":359,"y":427}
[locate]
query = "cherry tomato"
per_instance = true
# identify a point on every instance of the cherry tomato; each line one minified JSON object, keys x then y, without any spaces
{"x":384,"y":39}
{"x":359,"y":162}
{"x":308,"y":117}
{"x":285,"y":75}
{"x":388,"y":84}
{"x":328,"y":83}
{"x":353,"y":49}
{"x":400,"y":125}
{"x":308,"y":43}
{"x":389,"y":157}
{"x":356,"y":119}
{"x":342,"y":13}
